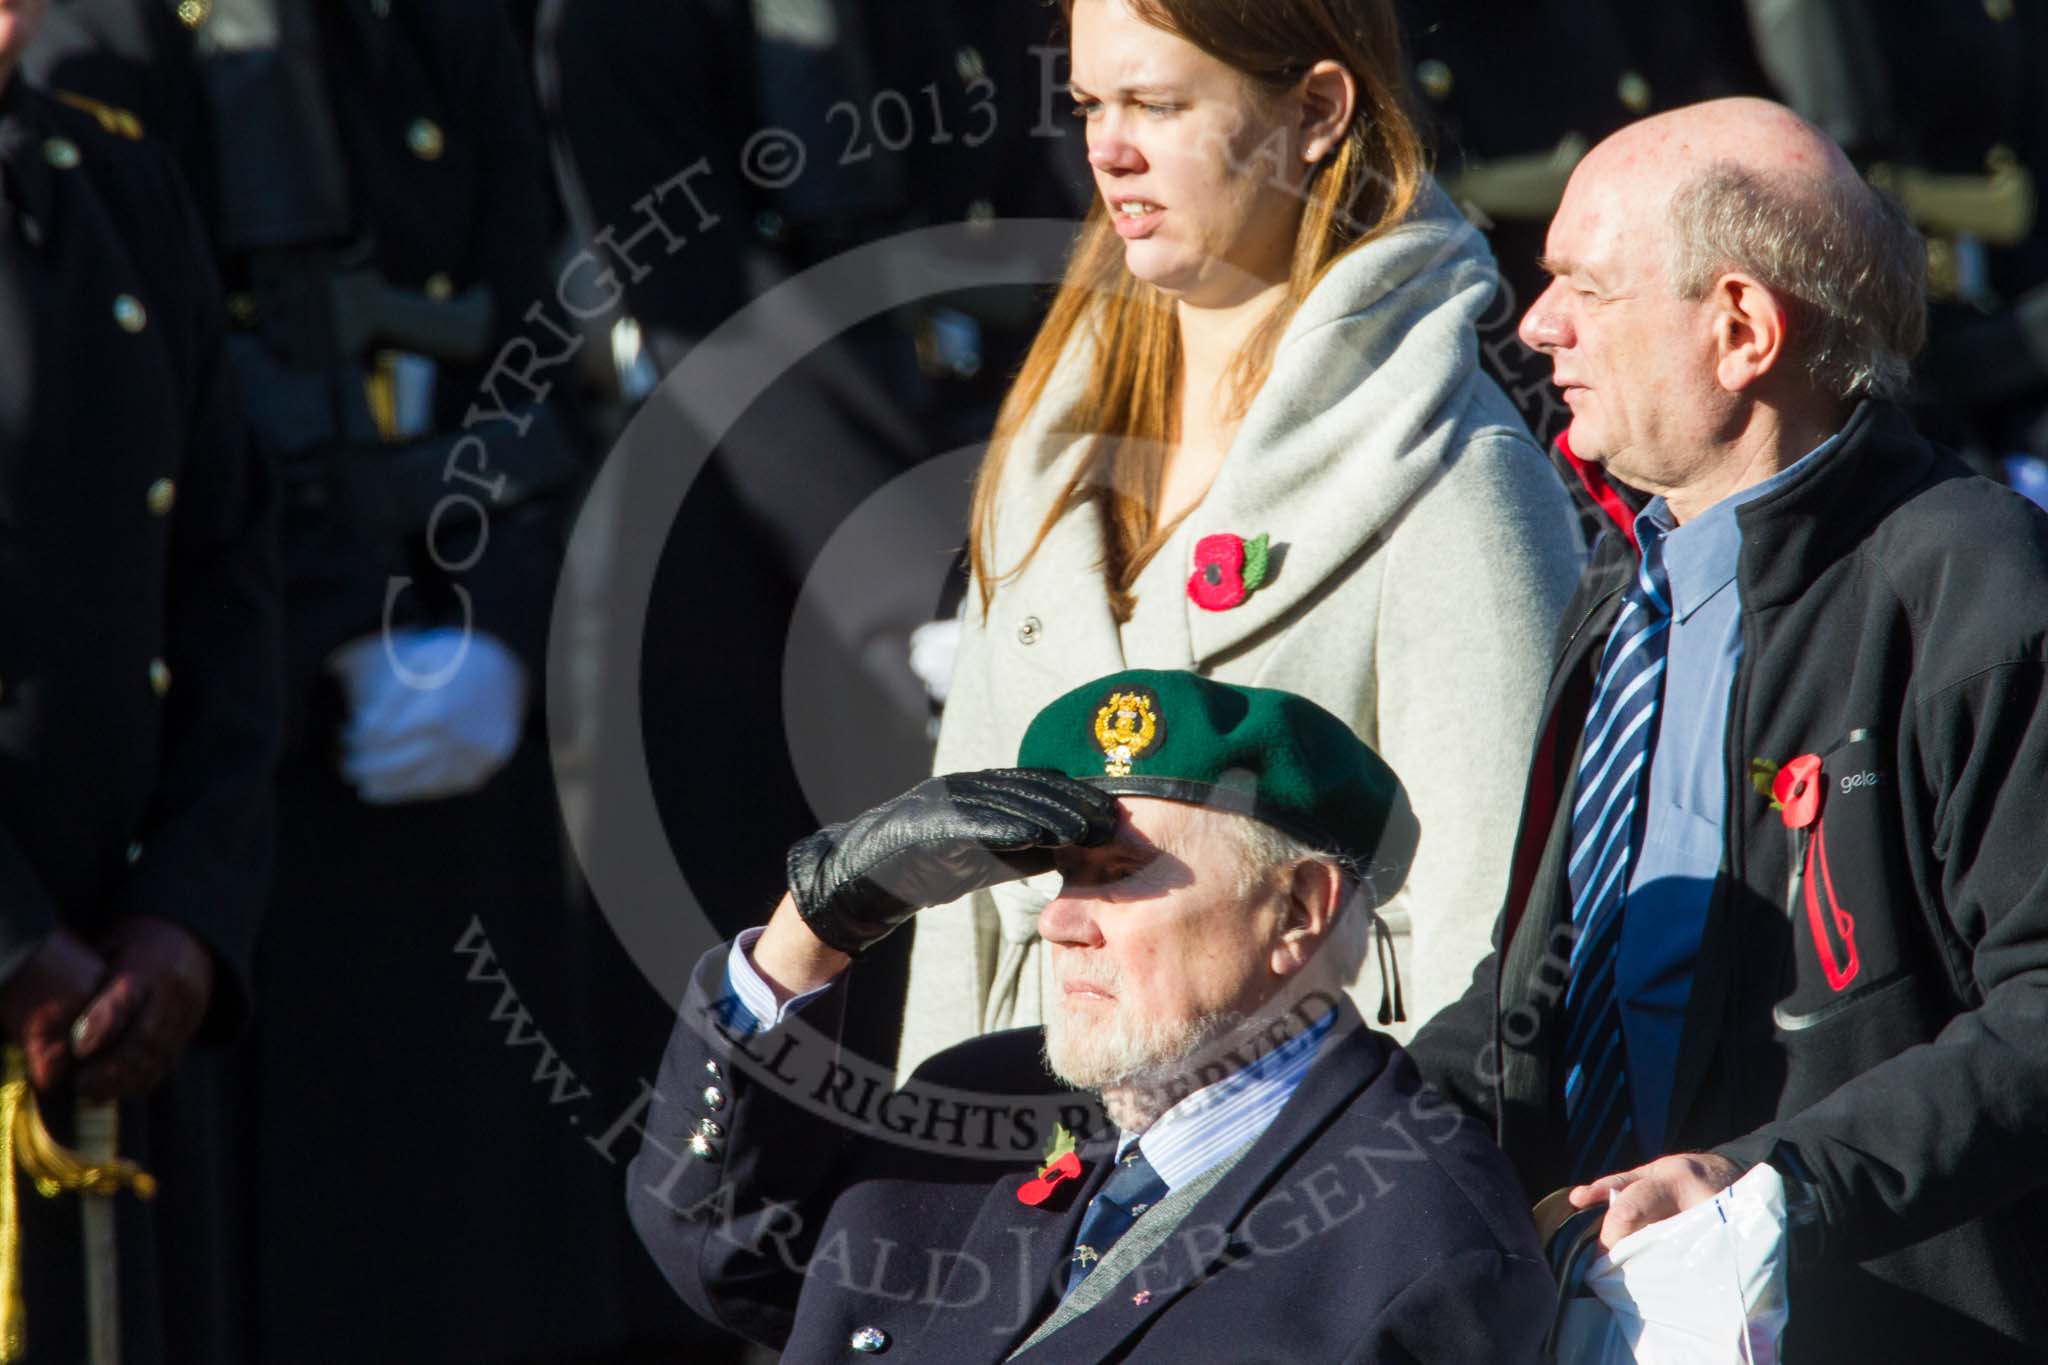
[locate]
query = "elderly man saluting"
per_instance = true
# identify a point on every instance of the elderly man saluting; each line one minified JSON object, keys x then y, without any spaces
{"x":1781,"y":893}
{"x":1275,"y":1184}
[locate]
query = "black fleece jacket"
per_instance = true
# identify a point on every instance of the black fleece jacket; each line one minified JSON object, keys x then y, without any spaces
{"x":1885,"y":1038}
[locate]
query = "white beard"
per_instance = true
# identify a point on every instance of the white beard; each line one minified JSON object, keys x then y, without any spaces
{"x":1141,"y":1067}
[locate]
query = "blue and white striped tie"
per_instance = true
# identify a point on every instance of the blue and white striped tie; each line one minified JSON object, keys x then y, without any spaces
{"x":1621,"y":727}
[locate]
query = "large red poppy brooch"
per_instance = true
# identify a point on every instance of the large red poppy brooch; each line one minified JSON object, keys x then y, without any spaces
{"x":1061,"y":1163}
{"x":1796,"y":791}
{"x":1228,"y":569}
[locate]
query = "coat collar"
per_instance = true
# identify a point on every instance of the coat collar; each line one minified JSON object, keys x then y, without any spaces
{"x":1352,"y":1059}
{"x":1368,"y":392}
{"x":1791,"y":535}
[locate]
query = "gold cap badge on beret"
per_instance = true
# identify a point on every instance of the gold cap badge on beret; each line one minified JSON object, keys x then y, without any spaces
{"x":1127,"y":727}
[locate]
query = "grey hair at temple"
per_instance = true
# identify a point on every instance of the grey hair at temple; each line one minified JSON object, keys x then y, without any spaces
{"x":1842,"y":254}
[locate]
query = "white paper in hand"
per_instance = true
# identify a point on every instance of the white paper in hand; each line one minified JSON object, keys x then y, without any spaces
{"x":1706,"y":1287}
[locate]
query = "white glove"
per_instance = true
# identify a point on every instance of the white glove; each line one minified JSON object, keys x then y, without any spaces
{"x":933,"y":648}
{"x":432,"y":712}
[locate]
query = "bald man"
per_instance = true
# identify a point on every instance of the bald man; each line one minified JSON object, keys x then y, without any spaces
{"x":1781,"y":889}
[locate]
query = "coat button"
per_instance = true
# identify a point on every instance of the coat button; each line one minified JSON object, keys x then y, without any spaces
{"x":134,"y":854}
{"x":60,"y":152}
{"x":426,"y":139}
{"x":439,"y":287}
{"x":1999,"y":10}
{"x":701,"y":1147}
{"x":129,"y":313}
{"x":967,"y":62}
{"x":1435,"y":79}
{"x":869,"y":1341}
{"x":1634,"y":92}
{"x":714,"y":1097}
{"x":709,"y":1129}
{"x":193,"y":13}
{"x":1028,"y":633}
{"x":713,"y":1070}
{"x":163,"y":496}
{"x":159,"y":677}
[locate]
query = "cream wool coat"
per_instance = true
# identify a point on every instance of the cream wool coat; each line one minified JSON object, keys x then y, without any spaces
{"x":1423,"y":550}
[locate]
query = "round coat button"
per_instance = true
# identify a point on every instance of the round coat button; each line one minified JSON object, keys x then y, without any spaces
{"x":129,"y":313}
{"x":426,"y":139}
{"x":713,"y":1070}
{"x":193,"y":13}
{"x":708,"y":1128}
{"x":159,"y":677}
{"x":163,"y":496}
{"x":1435,"y":79}
{"x":1634,"y":92}
{"x":869,"y":1341}
{"x":702,"y":1148}
{"x":714,"y":1097}
{"x":1028,"y":633}
{"x":439,"y":287}
{"x":60,"y":152}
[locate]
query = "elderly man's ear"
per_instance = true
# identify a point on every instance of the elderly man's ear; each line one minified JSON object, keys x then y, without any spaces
{"x":1314,"y":894}
{"x":1751,"y":329}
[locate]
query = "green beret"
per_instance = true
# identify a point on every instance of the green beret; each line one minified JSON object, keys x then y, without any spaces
{"x":1272,"y":755}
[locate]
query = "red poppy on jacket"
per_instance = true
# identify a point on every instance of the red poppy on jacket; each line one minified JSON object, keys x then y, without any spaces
{"x":1036,"y":1192}
{"x":1218,"y":580}
{"x":1797,"y":789}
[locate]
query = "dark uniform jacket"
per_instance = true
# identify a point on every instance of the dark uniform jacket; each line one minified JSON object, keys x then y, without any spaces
{"x":1876,"y":1026}
{"x":139,"y":693}
{"x":1368,"y":1223}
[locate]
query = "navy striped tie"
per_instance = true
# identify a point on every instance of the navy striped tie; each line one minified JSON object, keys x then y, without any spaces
{"x":1614,"y":765}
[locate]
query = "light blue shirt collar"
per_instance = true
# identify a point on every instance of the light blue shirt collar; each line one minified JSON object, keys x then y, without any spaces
{"x":1221,"y":1117}
{"x":1701,"y":557}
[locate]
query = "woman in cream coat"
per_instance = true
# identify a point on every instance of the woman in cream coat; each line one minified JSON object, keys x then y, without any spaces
{"x":1267,"y":330}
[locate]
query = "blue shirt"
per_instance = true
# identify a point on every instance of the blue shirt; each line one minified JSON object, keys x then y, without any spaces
{"x":1196,"y":1133}
{"x":1672,"y":882}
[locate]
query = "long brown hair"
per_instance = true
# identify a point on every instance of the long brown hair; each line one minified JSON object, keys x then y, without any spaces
{"x":1132,"y":400}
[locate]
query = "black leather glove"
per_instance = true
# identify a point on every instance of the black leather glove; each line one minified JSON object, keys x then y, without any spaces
{"x":854,"y":883}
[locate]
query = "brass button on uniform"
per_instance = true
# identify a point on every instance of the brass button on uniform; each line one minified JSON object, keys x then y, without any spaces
{"x":1435,"y":79}
{"x":163,"y":496}
{"x":426,"y":139}
{"x":60,"y":152}
{"x":129,"y":313}
{"x":159,"y":677}
{"x":1028,"y":633}
{"x":1633,"y":91}
{"x":439,"y":287}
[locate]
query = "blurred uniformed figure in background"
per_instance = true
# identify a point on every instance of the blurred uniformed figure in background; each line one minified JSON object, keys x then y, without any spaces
{"x":1946,"y":106}
{"x":377,"y":196}
{"x":139,"y":694}
{"x":910,"y":115}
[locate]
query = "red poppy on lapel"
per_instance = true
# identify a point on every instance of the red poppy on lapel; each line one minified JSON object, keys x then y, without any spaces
{"x":1036,"y":1192}
{"x":1228,"y":569}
